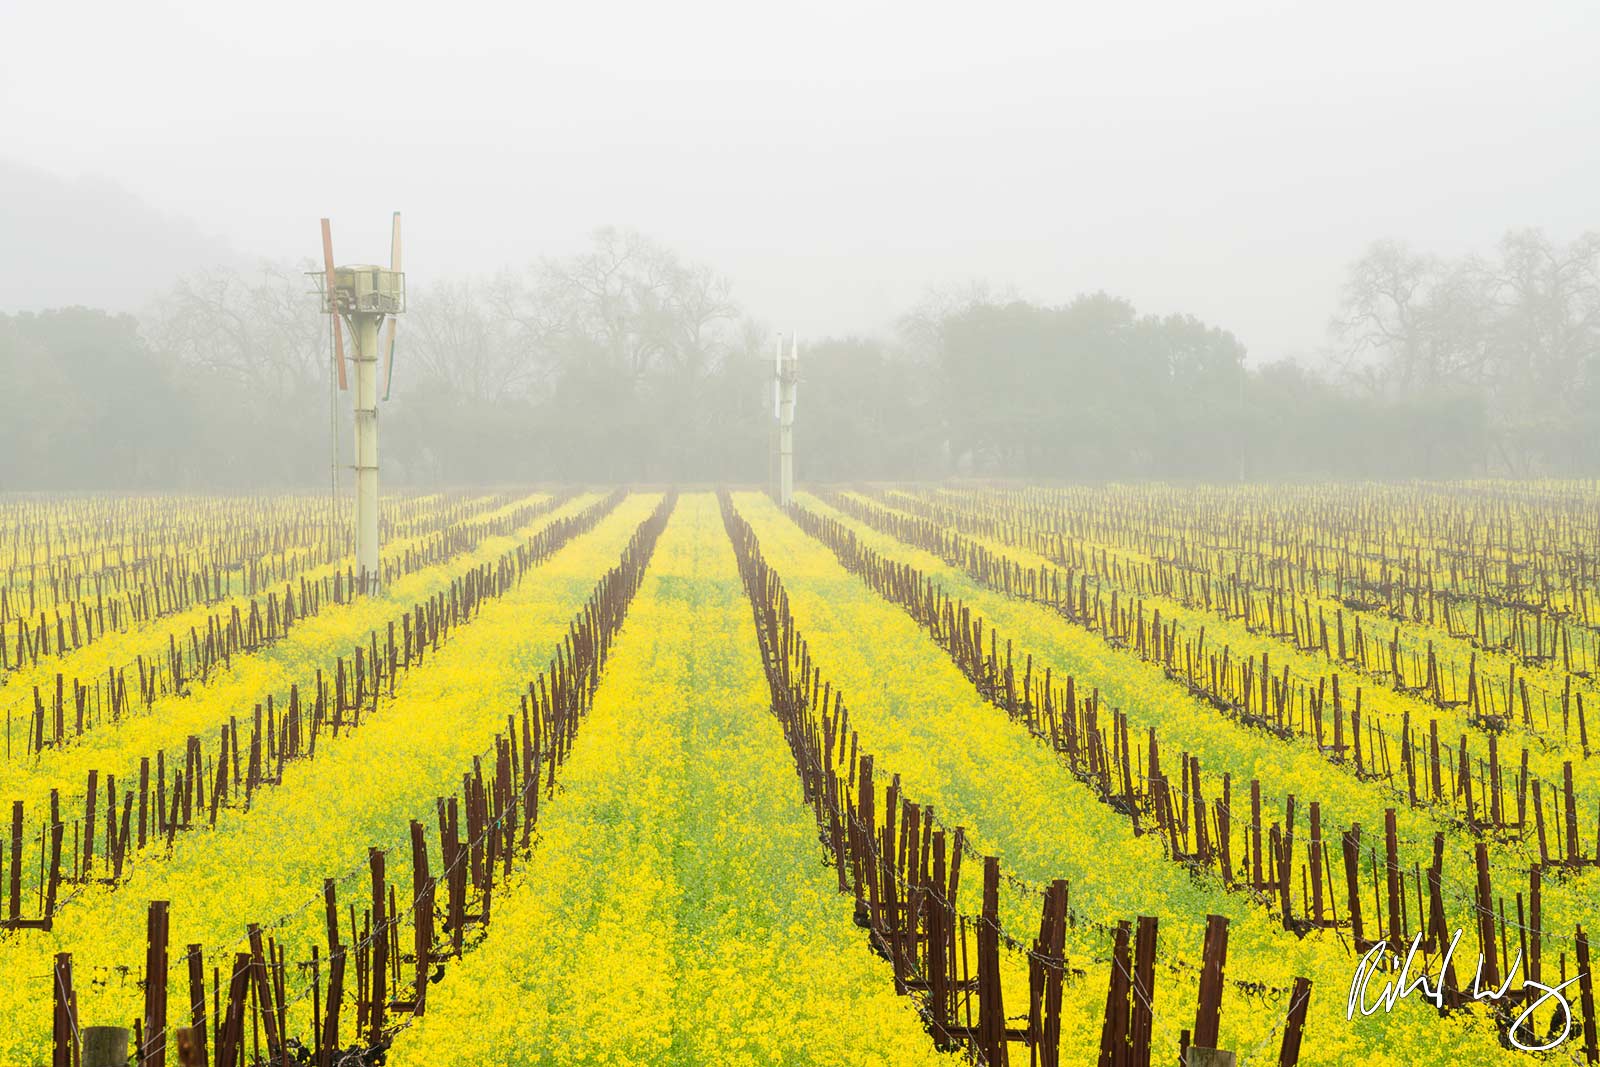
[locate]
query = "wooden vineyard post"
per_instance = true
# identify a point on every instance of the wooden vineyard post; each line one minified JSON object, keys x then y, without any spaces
{"x":891,"y":891}
{"x":262,"y":982}
{"x":1295,"y":1025}
{"x":1397,"y":935}
{"x":955,"y":925}
{"x":1316,"y":863}
{"x":64,"y":1023}
{"x":1282,"y":845}
{"x":1569,"y":806}
{"x":105,"y":1046}
{"x":1485,"y":908}
{"x":14,"y":912}
{"x":530,"y":773}
{"x":1052,"y":947}
{"x":154,"y":1052}
{"x":1214,"y":956}
{"x":914,"y":889}
{"x":1352,"y":879}
{"x":329,"y":1023}
{"x":1114,"y":1028}
{"x":835,"y":821}
{"x":422,"y":885}
{"x":380,"y":946}
{"x":192,"y":1050}
{"x":1144,"y":990}
{"x":506,"y":811}
{"x":991,"y":1011}
{"x":1591,"y":1047}
{"x":57,"y":830}
{"x":1130,"y":998}
{"x":90,"y":796}
{"x":456,"y":871}
{"x":230,"y":1044}
{"x":938,"y":924}
{"x":1535,"y":924}
{"x":1225,"y":828}
{"x":1257,"y":871}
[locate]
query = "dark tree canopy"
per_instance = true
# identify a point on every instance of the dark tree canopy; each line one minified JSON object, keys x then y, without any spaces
{"x":628,"y":363}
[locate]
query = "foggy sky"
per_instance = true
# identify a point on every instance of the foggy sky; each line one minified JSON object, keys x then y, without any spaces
{"x":1225,"y":159}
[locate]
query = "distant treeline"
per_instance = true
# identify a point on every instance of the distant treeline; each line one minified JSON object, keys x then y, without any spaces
{"x":628,"y":364}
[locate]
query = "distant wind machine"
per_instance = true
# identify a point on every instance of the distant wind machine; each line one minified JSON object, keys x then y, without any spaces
{"x":363,"y":299}
{"x":785,"y":393}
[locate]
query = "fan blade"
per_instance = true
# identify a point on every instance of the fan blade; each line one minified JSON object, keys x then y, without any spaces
{"x":333,"y":302}
{"x":388,"y":369}
{"x":394,"y":320}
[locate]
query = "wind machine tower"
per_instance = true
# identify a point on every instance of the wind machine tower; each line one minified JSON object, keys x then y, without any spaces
{"x":363,"y":299}
{"x":785,"y":389}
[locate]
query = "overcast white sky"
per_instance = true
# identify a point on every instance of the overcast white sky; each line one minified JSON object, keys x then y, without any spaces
{"x":1222,"y":158}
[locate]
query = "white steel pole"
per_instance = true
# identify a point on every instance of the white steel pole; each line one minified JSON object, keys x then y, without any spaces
{"x":786,"y":379}
{"x":773,"y":482}
{"x":335,"y":527}
{"x":366,"y":361}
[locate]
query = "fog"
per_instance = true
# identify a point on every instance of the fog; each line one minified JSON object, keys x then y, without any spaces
{"x":1179,"y":241}
{"x":1224,"y":160}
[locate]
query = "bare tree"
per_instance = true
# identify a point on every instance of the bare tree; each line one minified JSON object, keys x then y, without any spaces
{"x":456,"y":336}
{"x":1521,"y":330}
{"x":629,"y":304}
{"x":1381,"y":319}
{"x":1548,"y":300}
{"x":259,"y":329}
{"x":921,"y":329}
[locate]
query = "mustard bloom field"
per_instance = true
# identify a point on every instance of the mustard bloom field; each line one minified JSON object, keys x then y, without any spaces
{"x":893,"y":775}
